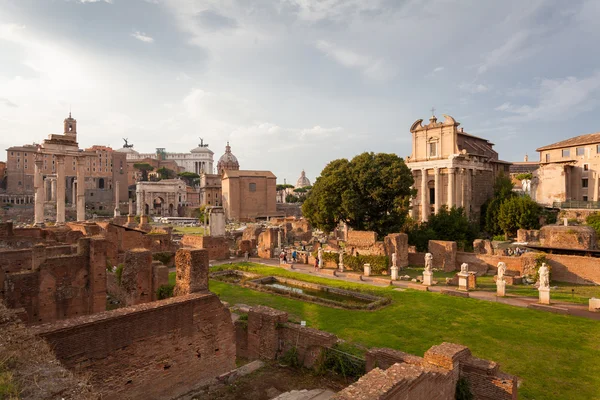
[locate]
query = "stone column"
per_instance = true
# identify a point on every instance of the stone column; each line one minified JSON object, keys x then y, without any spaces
{"x":424,"y":202}
{"x":53,"y":183}
{"x":138,"y":202}
{"x":451,"y":178}
{"x":38,"y":184}
{"x":436,"y":170}
{"x":117,"y":211}
{"x":80,"y":189}
{"x":60,"y":189}
{"x":460,"y":186}
{"x":47,"y":194}
{"x":74,"y":194}
{"x":413,"y":206}
{"x":468,"y":191}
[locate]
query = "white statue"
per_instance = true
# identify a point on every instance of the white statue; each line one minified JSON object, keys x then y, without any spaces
{"x":320,"y":257}
{"x":526,"y":185}
{"x":342,"y":257}
{"x":544,"y":276}
{"x":428,"y":262}
{"x":464,"y":268}
{"x":394,"y":260}
{"x":501,"y":271}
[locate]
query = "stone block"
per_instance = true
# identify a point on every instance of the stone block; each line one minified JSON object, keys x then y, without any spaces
{"x":500,"y":288}
{"x":544,"y":294}
{"x":594,"y":304}
{"x":136,"y":279}
{"x":191,"y":271}
{"x":444,"y":254}
{"x":463,"y":282}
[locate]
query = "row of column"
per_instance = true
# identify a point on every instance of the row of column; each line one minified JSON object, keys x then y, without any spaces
{"x":17,"y":199}
{"x":58,"y":189}
{"x":455,"y":198}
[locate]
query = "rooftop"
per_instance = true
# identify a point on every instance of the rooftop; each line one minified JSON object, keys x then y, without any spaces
{"x":239,"y":173}
{"x":590,"y":138}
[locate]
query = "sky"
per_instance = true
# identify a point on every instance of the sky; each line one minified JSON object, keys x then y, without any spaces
{"x":294,"y":84}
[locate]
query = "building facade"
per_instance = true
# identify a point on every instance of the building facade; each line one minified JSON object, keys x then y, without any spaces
{"x":249,"y":195}
{"x":163,"y":198}
{"x":569,"y":172}
{"x":451,"y":167}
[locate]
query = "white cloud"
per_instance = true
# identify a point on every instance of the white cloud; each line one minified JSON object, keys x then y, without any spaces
{"x":473,"y":88}
{"x":96,"y":1}
{"x":558,"y":100}
{"x":375,"y":69}
{"x":142,"y":37}
{"x":509,"y":51}
{"x":438,"y":69}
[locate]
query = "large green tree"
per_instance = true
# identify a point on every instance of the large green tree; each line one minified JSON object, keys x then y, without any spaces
{"x":502,"y":191}
{"x":190,"y":178}
{"x":519,"y":212}
{"x":166,"y":173}
{"x":370,"y":192}
{"x":448,"y":224}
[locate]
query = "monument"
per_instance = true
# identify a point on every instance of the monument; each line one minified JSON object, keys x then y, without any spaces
{"x":341,"y":263}
{"x":320,"y":257}
{"x":367,"y":270}
{"x":500,"y":282}
{"x":544,"y":288}
{"x":463,"y":277}
{"x":394,"y":268}
{"x":427,"y":273}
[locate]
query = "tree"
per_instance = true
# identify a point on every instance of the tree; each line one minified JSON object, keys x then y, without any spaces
{"x":144,"y":168}
{"x":190,"y":178}
{"x":519,"y":212}
{"x":502,"y":191}
{"x":593,"y":220}
{"x":166,"y":173}
{"x":282,"y":186}
{"x":370,"y":192}
{"x":448,"y":224}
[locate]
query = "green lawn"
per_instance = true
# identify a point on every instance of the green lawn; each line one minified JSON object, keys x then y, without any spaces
{"x":189,"y":230}
{"x":556,"y":356}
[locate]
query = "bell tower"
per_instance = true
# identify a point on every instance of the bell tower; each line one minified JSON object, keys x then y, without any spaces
{"x":70,"y":126}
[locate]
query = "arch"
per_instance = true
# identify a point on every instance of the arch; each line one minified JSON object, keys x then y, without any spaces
{"x":157,"y":205}
{"x":171,"y":210}
{"x":100,"y":183}
{"x":147,"y":209}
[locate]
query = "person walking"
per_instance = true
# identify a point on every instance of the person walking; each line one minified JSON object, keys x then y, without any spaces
{"x":294,"y":255}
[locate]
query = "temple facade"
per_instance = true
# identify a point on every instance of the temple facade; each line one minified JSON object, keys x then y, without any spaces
{"x":451,"y":168}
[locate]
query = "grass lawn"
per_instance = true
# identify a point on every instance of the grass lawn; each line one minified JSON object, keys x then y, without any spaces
{"x":556,"y":356}
{"x":189,"y":230}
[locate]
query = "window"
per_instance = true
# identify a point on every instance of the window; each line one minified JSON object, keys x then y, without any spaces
{"x":586,"y":167}
{"x":433,"y":149}
{"x":566,"y":152}
{"x":580,"y":151}
{"x":547,"y":157}
{"x":20,"y":184}
{"x":598,"y":148}
{"x":252,"y":187}
{"x":584,"y":183}
{"x":431,"y":195}
{"x":585,"y":198}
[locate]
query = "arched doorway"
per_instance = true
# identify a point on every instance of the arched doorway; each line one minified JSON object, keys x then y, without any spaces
{"x":171,"y":210}
{"x":157,"y":206}
{"x":101,"y":183}
{"x":147,"y":209}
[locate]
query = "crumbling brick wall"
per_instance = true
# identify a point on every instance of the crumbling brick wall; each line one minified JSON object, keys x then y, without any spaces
{"x":267,"y":242}
{"x":397,"y":243}
{"x":568,"y":237}
{"x":444,"y":254}
{"x":361,"y":239}
{"x":217,"y":246}
{"x":527,"y":235}
{"x":191,"y":271}
{"x":141,"y":277}
{"x":157,"y":350}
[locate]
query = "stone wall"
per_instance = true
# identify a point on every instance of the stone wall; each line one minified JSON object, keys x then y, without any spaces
{"x":528,"y":235}
{"x":141,"y":277}
{"x":57,"y":287}
{"x":155,"y":350}
{"x":444,"y":254}
{"x":361,"y":239}
{"x":568,"y":237}
{"x":217,"y":246}
{"x":308,"y":342}
{"x":191,"y":273}
{"x":267,"y":242}
{"x":397,"y":243}
{"x":416,"y":259}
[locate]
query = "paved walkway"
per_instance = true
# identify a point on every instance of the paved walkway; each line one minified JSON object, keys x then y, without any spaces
{"x":517,"y":301}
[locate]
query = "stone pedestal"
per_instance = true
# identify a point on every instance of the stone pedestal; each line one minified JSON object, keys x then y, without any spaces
{"x":394,"y":271}
{"x":544,"y":295}
{"x":427,"y":278}
{"x":144,"y":224}
{"x":463,"y":282}
{"x":367,"y":270}
{"x":500,"y":288}
{"x":131,"y":221}
{"x":594,"y":305}
{"x":341,"y":267}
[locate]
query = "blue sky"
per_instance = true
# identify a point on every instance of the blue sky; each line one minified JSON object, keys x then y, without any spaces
{"x":293,"y":84}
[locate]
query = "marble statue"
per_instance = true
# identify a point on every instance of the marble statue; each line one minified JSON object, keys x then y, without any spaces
{"x":501,"y":271}
{"x":428,"y":262}
{"x":320,"y":257}
{"x":544,"y":276}
{"x":464,"y":268}
{"x":394,"y":260}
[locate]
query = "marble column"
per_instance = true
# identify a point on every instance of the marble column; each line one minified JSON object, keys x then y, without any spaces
{"x":38,"y":184}
{"x":80,"y":189}
{"x":413,"y":207}
{"x":117,"y":211}
{"x":60,"y":189}
{"x":460,"y":186}
{"x":451,"y":190}
{"x":424,"y":202}
{"x":53,"y":183}
{"x":131,"y":207}
{"x":436,"y":170}
{"x":468,"y":191}
{"x":47,"y":190}
{"x":74,"y":193}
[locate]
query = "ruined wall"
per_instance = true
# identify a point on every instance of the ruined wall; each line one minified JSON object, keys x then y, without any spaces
{"x":141,"y":277}
{"x":572,"y":269}
{"x":416,"y":259}
{"x":59,"y":287}
{"x":568,"y":237}
{"x":397,"y":243}
{"x":218,"y":247}
{"x":267,"y":242}
{"x":444,"y":254}
{"x":191,"y":271}
{"x":155,"y":350}
{"x":361,"y":239}
{"x":528,"y":235}
{"x":308,"y":342}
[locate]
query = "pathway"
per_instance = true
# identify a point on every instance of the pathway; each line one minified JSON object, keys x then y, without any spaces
{"x":517,"y":301}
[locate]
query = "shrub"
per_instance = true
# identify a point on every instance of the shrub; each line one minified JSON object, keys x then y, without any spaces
{"x":290,"y":358}
{"x":499,"y":238}
{"x":340,"y":362}
{"x":164,"y":257}
{"x":119,"y":273}
{"x":165,"y":291}
{"x":593,"y":220}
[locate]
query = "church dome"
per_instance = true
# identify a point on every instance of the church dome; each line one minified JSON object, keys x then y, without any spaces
{"x":302,"y":181}
{"x":228,"y":161}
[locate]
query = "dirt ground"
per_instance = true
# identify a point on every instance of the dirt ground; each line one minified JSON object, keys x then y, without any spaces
{"x":270,"y":381}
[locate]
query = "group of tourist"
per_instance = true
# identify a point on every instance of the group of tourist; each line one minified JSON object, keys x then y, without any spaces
{"x":517,"y":251}
{"x":283,"y":256}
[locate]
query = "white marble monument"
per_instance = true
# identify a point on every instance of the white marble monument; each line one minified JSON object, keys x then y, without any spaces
{"x":463,"y":277}
{"x":544,"y":288}
{"x":427,"y":273}
{"x":394,"y":268}
{"x":367,"y":270}
{"x":500,"y":282}
{"x":341,"y":263}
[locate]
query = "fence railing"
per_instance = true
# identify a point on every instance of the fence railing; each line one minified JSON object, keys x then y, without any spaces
{"x":577,"y":204}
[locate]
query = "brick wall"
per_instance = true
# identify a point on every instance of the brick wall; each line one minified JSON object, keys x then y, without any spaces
{"x":361,"y":239}
{"x":191,"y":271}
{"x":568,"y":237}
{"x":309,"y":342}
{"x":417,"y":259}
{"x":397,"y":243}
{"x":528,"y":235}
{"x":444,"y":254}
{"x":218,"y":247}
{"x":156,"y":350}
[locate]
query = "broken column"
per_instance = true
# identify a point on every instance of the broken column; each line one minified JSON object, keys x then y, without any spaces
{"x":191,"y":271}
{"x":117,"y":212}
{"x":38,"y":184}
{"x":60,"y":189}
{"x":80,"y":189}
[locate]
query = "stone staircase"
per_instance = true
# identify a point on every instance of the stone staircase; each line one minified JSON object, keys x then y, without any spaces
{"x":315,"y":394}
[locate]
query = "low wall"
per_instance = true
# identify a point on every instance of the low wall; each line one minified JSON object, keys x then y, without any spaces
{"x":416,"y":259}
{"x":155,"y":350}
{"x":217,"y":246}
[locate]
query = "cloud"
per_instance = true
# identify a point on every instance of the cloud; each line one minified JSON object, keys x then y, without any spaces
{"x":213,"y":21}
{"x":142,"y":37}
{"x":558,"y":100}
{"x":8,"y":103}
{"x":96,"y":1}
{"x":436,"y":70}
{"x":508,"y":52}
{"x":375,"y":69}
{"x":473,"y":88}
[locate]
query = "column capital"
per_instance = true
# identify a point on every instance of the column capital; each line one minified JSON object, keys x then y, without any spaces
{"x":451,"y":170}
